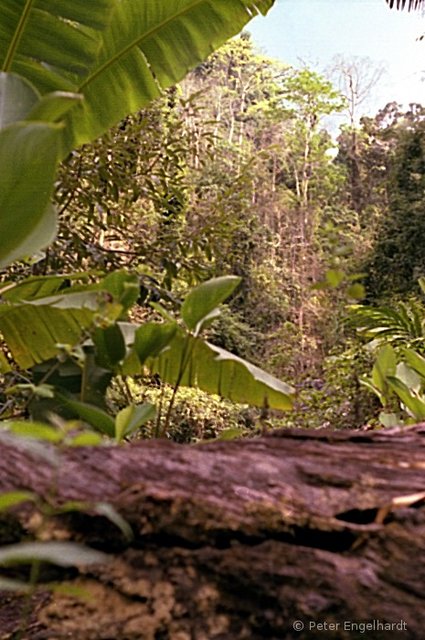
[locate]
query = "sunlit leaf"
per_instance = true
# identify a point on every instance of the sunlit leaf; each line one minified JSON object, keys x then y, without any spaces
{"x":389,"y":419}
{"x":124,"y":287}
{"x":32,"y":333}
{"x":34,"y":287}
{"x":231,"y":434}
{"x":85,"y":439}
{"x":409,"y":376}
{"x":53,"y":44}
{"x":35,"y":430}
{"x":385,"y":365}
{"x":12,"y":498}
{"x":217,"y":371}
{"x":213,"y":370}
{"x":334,"y":277}
{"x":204,"y":298}
{"x":414,"y":404}
{"x":131,"y":418}
{"x":416,"y":361}
{"x":356,"y":291}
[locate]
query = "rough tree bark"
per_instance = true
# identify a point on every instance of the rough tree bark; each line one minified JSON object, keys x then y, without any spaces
{"x":233,"y":540}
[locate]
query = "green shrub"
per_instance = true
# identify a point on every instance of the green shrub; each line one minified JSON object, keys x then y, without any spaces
{"x":195,"y":416}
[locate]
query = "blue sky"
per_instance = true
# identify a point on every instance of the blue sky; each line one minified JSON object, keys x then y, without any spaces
{"x":316,"y":30}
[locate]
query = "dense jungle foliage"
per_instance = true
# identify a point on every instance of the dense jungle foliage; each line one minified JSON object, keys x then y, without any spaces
{"x":234,"y":171}
{"x":161,"y":278}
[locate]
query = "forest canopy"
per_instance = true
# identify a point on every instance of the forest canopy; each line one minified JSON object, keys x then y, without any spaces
{"x":231,"y":172}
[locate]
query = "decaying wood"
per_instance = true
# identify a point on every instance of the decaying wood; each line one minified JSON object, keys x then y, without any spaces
{"x":233,"y":540}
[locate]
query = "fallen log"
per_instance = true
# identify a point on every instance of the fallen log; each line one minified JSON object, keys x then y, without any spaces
{"x":298,"y":534}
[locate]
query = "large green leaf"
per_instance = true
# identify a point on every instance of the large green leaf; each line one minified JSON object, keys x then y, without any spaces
{"x":33,"y":333}
{"x":35,"y":287}
{"x":193,"y":362}
{"x":53,"y":43}
{"x":32,"y":288}
{"x":149,"y":46}
{"x":119,"y":54}
{"x":109,"y":345}
{"x":152,"y":338}
{"x":205,"y":298}
{"x":217,"y":371}
{"x":33,"y":326}
{"x":124,"y":287}
{"x":32,"y":330}
{"x":91,"y":414}
{"x":403,"y":323}
{"x":28,"y":156}
{"x":413,"y":403}
{"x":41,"y":235}
{"x":385,"y":365}
{"x":53,"y":106}
{"x":416,"y":361}
{"x":116,"y":54}
{"x":20,"y":100}
{"x":27,"y":219}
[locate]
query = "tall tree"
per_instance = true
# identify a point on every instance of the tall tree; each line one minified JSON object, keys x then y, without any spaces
{"x":397,"y":259}
{"x":356,"y":78}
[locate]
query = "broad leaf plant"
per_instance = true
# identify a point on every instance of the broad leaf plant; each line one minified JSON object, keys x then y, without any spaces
{"x":68,"y":72}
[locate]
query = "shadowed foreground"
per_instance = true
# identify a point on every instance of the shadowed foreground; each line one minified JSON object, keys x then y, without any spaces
{"x":232,"y":540}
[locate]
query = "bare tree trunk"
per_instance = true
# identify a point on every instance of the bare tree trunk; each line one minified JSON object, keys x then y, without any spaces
{"x":233,"y":540}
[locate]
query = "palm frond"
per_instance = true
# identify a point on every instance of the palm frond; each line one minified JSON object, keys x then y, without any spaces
{"x":412,"y":5}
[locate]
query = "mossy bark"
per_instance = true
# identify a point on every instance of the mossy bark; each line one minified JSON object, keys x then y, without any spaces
{"x":231,"y":540}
